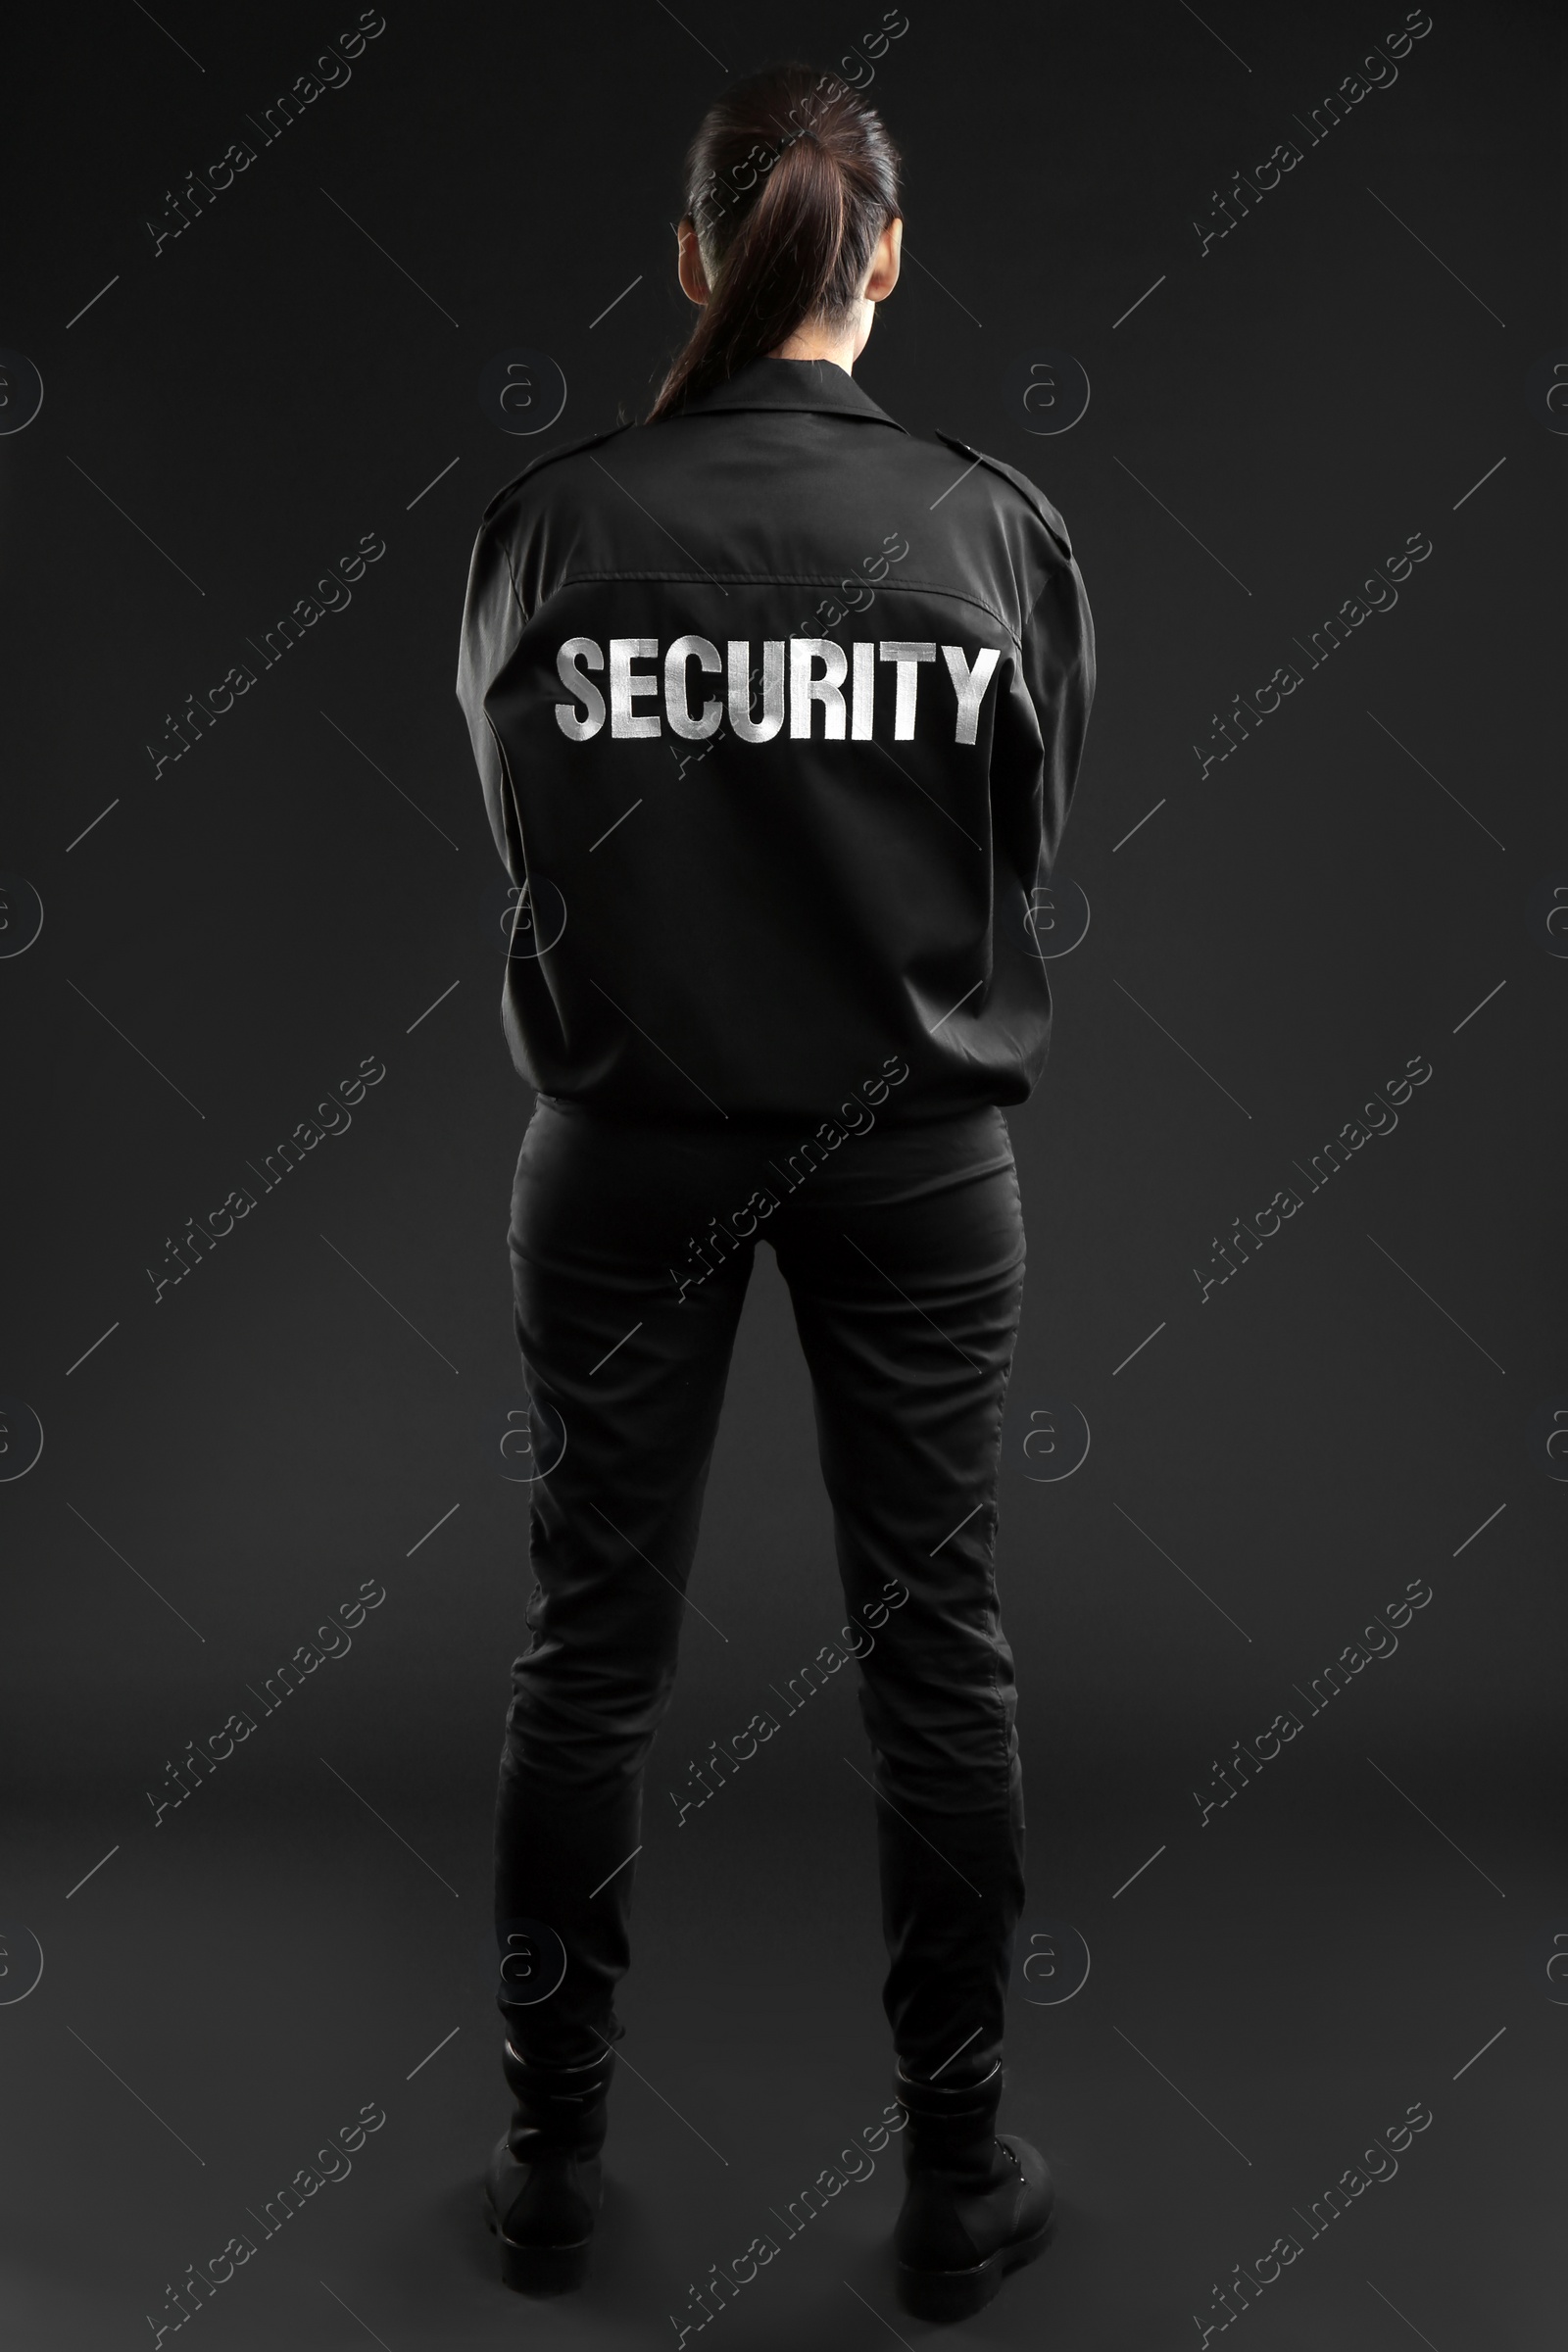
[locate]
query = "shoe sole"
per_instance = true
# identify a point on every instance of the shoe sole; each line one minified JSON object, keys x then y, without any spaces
{"x":538,"y":2271}
{"x":958,"y":2294}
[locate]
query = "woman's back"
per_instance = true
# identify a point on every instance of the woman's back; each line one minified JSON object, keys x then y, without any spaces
{"x":778,"y":710}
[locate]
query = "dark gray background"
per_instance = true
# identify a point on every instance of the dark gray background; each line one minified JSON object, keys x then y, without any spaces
{"x":1278,"y":938}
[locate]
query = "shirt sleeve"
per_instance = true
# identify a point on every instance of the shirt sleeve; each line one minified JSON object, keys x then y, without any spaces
{"x":1041,"y":735}
{"x":493,"y":622}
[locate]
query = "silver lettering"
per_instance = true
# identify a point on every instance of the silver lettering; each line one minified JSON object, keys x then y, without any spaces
{"x":577,"y":653}
{"x":677,"y":709}
{"x":625,"y":682}
{"x":742,"y":723}
{"x":970,"y":685}
{"x":862,"y":695}
{"x":805,"y":690}
{"x":906,"y":652}
{"x":819,"y":669}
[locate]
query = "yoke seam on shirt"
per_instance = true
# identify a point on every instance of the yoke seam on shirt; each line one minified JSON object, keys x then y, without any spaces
{"x":783,"y":579}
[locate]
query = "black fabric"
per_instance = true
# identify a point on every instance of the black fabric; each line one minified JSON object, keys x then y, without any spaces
{"x":784,"y":384}
{"x":710,"y":927}
{"x":903,"y":1253}
{"x":560,"y":2110}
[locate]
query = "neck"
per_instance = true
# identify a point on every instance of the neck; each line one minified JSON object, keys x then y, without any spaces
{"x":810,"y":343}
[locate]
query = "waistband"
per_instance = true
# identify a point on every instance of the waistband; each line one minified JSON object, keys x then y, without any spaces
{"x":873,"y":1164}
{"x":978,"y":1116}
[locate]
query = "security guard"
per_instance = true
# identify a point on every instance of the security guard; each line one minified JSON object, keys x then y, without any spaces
{"x":778,"y":712}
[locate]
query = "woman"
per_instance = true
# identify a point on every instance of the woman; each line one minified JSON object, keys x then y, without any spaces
{"x":778,"y":713}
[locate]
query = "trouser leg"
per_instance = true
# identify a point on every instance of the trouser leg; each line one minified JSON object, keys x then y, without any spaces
{"x":908,"y":1313}
{"x":623,"y":1421}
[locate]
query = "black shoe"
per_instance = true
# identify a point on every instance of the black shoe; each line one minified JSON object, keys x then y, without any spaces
{"x":544,"y":2183}
{"x":976,"y":2205}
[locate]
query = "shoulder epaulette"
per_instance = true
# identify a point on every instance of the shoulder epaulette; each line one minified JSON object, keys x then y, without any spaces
{"x":547,"y":456}
{"x":1020,"y":482}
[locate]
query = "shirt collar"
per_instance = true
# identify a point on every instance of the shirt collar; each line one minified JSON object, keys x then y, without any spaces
{"x":815,"y":385}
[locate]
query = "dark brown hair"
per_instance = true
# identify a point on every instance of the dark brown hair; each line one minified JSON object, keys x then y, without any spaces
{"x":790,"y":181}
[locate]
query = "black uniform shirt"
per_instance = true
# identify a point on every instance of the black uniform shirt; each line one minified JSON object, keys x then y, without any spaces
{"x":778,"y":712}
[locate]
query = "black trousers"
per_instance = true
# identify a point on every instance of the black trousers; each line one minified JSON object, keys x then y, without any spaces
{"x":903,"y":1253}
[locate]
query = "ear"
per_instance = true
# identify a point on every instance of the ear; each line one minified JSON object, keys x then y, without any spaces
{"x":884,"y":275}
{"x":689,"y":266}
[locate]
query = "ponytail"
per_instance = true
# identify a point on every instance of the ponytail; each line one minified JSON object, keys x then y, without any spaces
{"x":790,"y":181}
